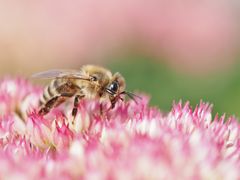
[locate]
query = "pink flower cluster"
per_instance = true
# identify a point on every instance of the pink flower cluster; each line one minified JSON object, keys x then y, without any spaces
{"x":133,"y":141}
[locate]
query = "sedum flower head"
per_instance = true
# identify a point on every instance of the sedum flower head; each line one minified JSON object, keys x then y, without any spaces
{"x":132,"y":141}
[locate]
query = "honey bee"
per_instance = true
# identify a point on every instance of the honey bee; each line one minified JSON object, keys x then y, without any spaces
{"x":89,"y":82}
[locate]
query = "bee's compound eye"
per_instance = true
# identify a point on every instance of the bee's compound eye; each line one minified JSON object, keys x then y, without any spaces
{"x":114,"y":86}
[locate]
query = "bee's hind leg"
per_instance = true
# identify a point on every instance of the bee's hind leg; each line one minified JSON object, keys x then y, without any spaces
{"x":49,"y":105}
{"x":54,"y":102}
{"x":75,"y":105}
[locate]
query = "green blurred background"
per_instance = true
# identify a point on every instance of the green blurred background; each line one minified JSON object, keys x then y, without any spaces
{"x":165,"y":85}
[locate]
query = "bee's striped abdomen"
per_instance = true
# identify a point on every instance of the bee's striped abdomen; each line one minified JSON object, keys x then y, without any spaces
{"x":50,"y":91}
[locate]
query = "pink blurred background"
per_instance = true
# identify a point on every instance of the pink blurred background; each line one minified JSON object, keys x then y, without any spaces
{"x":194,"y":36}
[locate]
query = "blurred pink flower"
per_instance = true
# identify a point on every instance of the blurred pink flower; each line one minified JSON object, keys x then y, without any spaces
{"x":133,"y":141}
{"x":197,"y":35}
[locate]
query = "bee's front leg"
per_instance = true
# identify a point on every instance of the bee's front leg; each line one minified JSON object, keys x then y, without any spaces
{"x":113,"y":104}
{"x":101,"y":109}
{"x":76,"y":103}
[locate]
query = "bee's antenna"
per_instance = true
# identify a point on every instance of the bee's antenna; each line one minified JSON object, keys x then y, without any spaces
{"x":132,"y":96}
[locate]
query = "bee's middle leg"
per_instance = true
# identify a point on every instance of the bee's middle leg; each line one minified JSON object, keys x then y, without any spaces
{"x":75,"y":105}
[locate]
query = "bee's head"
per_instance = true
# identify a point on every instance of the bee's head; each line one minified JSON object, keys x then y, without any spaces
{"x":116,"y":85}
{"x":115,"y":88}
{"x":108,"y":86}
{"x":105,"y":84}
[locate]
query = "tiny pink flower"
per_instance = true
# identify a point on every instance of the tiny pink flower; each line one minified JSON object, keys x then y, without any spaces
{"x":62,"y":135}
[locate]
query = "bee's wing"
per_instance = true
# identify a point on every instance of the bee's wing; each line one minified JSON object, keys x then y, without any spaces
{"x":59,"y":73}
